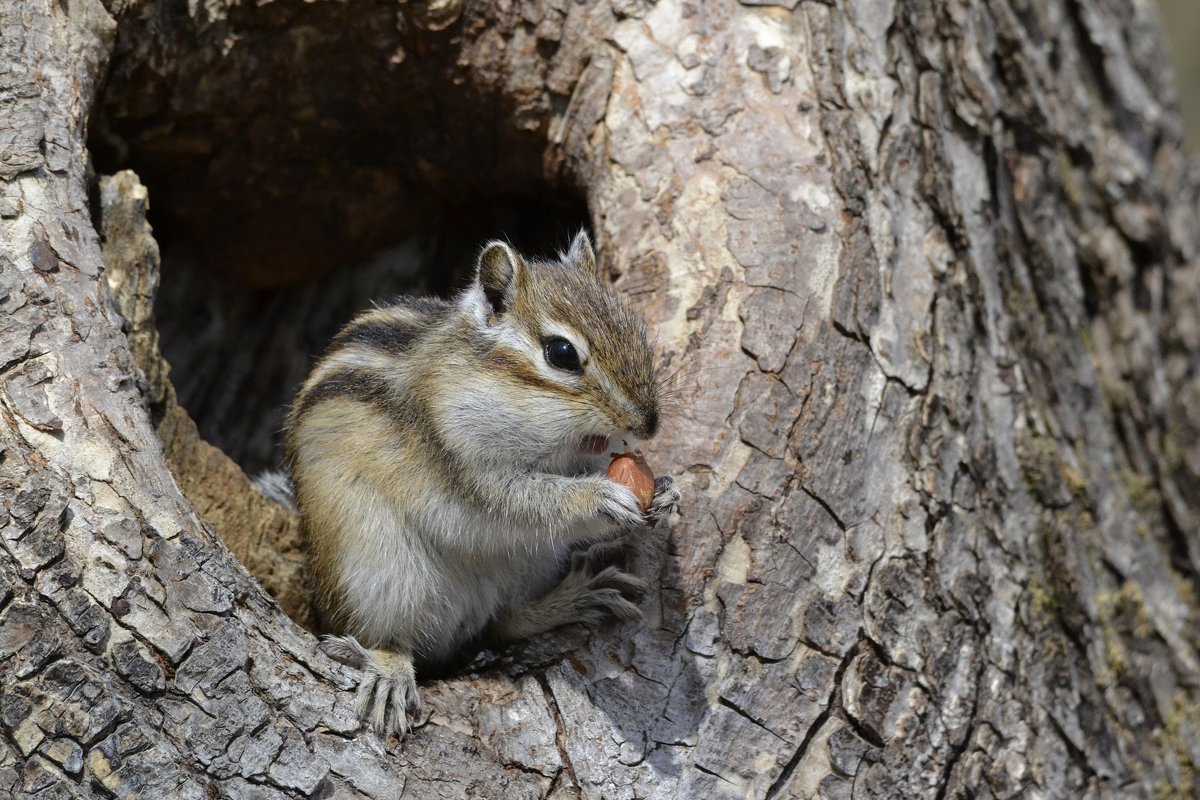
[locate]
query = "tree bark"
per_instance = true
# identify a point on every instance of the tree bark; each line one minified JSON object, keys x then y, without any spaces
{"x":928,"y":273}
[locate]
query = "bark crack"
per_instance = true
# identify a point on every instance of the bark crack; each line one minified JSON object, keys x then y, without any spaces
{"x":832,"y":704}
{"x":717,"y":775}
{"x":560,"y":727}
{"x":959,"y":750}
{"x":827,"y":508}
{"x":735,"y":708}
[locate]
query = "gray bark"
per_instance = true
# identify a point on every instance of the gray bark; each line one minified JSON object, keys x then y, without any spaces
{"x":929,"y":273}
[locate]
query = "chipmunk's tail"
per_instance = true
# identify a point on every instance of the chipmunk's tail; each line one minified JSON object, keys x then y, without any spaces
{"x":276,"y":486}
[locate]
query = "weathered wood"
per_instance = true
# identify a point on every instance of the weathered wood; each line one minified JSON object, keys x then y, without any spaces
{"x":928,"y":272}
{"x":264,"y":536}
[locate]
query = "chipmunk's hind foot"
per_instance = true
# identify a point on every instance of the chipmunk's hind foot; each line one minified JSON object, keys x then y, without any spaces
{"x":387,"y":700}
{"x":583,"y":596}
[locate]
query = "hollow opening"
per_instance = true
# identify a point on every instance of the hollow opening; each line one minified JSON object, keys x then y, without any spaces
{"x":304,"y":159}
{"x":239,"y":352}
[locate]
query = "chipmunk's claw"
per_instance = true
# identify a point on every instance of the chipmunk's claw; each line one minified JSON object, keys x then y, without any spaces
{"x":665,"y":502}
{"x":387,"y":701}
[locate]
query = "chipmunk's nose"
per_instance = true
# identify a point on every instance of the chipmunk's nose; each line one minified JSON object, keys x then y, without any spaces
{"x":650,"y":424}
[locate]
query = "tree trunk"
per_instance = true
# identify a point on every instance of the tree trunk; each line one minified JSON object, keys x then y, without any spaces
{"x":928,"y":274}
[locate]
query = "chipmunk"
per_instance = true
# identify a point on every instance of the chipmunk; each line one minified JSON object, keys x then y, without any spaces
{"x":446,"y":458}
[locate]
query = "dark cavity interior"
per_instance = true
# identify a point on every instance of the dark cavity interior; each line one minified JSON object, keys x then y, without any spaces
{"x":304,"y":159}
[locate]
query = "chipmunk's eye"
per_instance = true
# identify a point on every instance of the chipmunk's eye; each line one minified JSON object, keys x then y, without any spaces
{"x":561,"y":354}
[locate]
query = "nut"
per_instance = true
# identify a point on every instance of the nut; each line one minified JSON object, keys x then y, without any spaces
{"x":632,"y":471}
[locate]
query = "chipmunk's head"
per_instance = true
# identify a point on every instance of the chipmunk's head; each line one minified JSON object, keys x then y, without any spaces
{"x":563,"y":344}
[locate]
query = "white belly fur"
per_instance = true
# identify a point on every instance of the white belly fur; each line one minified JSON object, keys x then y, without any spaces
{"x":411,"y":589}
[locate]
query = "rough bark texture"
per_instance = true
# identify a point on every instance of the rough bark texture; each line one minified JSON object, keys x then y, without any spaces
{"x":929,"y":270}
{"x":264,"y":536}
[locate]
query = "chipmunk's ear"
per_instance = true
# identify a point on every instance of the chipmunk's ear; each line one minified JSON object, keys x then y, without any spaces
{"x":581,"y":254}
{"x":498,"y":271}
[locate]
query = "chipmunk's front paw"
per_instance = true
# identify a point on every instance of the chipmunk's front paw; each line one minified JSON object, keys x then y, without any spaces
{"x":620,"y":505}
{"x":387,"y":699}
{"x":665,"y":502}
